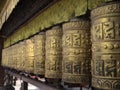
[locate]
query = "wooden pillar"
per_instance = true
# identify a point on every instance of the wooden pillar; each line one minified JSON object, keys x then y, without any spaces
{"x":80,"y":88}
{"x":1,"y":68}
{"x":92,"y":88}
{"x":8,"y":82}
{"x":8,"y":87}
{"x":24,"y":86}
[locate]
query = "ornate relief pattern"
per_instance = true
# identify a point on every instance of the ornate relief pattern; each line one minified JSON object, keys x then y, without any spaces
{"x":76,"y":52}
{"x":53,"y":63}
{"x":108,"y":10}
{"x":16,"y":55}
{"x":20,"y":55}
{"x":29,"y":59}
{"x":39,"y":52}
{"x":106,"y":47}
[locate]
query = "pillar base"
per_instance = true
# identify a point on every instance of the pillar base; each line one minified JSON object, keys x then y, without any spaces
{"x":7,"y":87}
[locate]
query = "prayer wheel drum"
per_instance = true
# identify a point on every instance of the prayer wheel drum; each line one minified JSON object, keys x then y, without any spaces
{"x":76,"y":52}
{"x":106,"y":46}
{"x":11,"y":59}
{"x":39,"y":53}
{"x":29,"y":58}
{"x":15,"y":55}
{"x":4,"y":57}
{"x":20,"y":56}
{"x":18,"y":60}
{"x":53,"y":63}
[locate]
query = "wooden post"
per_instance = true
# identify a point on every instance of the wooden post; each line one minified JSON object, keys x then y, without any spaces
{"x":92,"y":88}
{"x":1,"y":68}
{"x":8,"y":82}
{"x":24,"y":86}
{"x":80,"y":87}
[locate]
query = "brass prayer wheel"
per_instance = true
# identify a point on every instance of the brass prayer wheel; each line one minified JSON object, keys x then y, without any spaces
{"x":4,"y":57}
{"x":23,"y":54}
{"x":106,"y":46}
{"x":39,"y":53}
{"x":53,"y":62}
{"x":15,"y":56}
{"x":9,"y":57}
{"x":14,"y":53}
{"x":12,"y":57}
{"x":18,"y":64}
{"x":29,"y":57}
{"x":20,"y":56}
{"x":76,"y":52}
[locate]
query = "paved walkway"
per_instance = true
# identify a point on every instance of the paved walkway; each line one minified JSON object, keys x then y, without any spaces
{"x":32,"y":87}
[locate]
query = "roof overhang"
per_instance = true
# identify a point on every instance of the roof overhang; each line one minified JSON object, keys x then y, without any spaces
{"x":6,"y":7}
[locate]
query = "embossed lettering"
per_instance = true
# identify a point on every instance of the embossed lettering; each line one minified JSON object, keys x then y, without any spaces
{"x":77,"y":68}
{"x":99,"y":68}
{"x":68,"y":67}
{"x":67,"y":40}
{"x":110,"y":69}
{"x":109,"y":32}
{"x":76,"y":40}
{"x":98,"y":31}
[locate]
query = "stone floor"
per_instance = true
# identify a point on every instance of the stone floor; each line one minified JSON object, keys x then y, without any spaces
{"x":32,"y":87}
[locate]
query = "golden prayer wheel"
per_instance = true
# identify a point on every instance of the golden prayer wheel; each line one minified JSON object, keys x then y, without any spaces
{"x":4,"y":57}
{"x":39,"y":53}
{"x":53,"y":62}
{"x":18,"y":64}
{"x":11,"y":56}
{"x":7,"y":59}
{"x":29,"y":58}
{"x":20,"y":55}
{"x":16,"y":55}
{"x":76,"y":52}
{"x":106,"y":46}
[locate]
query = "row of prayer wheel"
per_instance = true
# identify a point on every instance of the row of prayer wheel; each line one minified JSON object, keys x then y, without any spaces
{"x":64,"y":52}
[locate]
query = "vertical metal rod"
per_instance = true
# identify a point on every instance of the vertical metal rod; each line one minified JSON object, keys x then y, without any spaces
{"x":80,"y":88}
{"x":92,"y":88}
{"x":24,"y":86}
